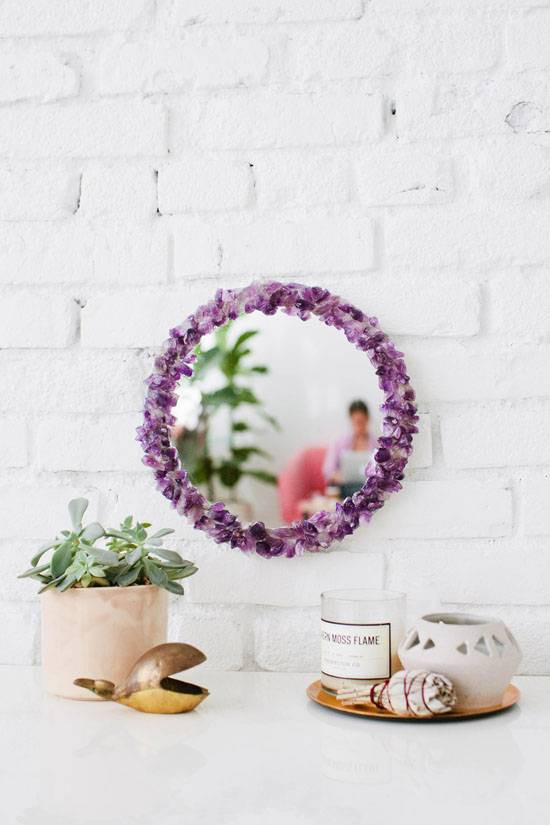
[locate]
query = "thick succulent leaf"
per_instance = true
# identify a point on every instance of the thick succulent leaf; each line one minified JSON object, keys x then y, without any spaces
{"x":128,"y":576}
{"x":92,"y":532}
{"x":33,"y":571}
{"x":117,"y":534}
{"x":51,"y":583}
{"x":45,"y":547}
{"x":67,"y":581}
{"x":77,"y":508}
{"x":133,"y":556}
{"x":154,"y":573}
{"x":173,"y":587}
{"x":187,"y":571}
{"x":168,"y":555}
{"x":165,"y":531}
{"x":103,"y":556}
{"x":61,"y":559}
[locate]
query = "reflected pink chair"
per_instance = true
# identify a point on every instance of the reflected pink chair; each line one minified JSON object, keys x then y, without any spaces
{"x":302,"y":476}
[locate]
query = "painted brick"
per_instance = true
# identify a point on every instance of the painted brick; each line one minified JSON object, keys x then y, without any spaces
{"x":535,"y":493}
{"x":439,"y":305}
{"x":197,"y":249}
{"x":268,"y":119}
{"x":218,"y":631}
{"x":42,"y":75}
{"x":13,"y":443}
{"x":402,"y":174}
{"x":454,"y":236}
{"x":445,"y":509}
{"x":40,"y":321}
{"x":497,"y":435}
{"x":274,"y":651}
{"x":274,"y":246}
{"x":487,"y":574}
{"x":451,"y":43}
{"x":117,"y":253}
{"x":38,"y":194}
{"x":19,"y":640}
{"x":422,"y":453}
{"x":47,"y":17}
{"x":177,"y":65}
{"x":88,"y":443}
{"x":139,"y":497}
{"x":15,"y":556}
{"x":458,"y":371}
{"x":39,"y":512}
{"x":287,"y":246}
{"x":295,"y":179}
{"x":204,"y":184}
{"x":527,"y":40}
{"x":428,"y":109}
{"x":511,"y":169}
{"x":110,"y":129}
{"x":72,"y":381}
{"x":119,"y":192}
{"x":252,"y":582}
{"x":359,"y":49}
{"x":519,"y":306}
{"x":133,"y":320}
{"x":394,"y":151}
{"x":186,"y":12}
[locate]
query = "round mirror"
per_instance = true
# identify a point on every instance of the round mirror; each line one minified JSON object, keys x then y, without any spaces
{"x":265,"y":431}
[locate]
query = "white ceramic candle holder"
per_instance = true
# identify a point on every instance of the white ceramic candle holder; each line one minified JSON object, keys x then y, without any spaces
{"x":477,"y":653}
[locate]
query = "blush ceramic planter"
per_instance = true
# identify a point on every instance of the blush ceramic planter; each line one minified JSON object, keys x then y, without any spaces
{"x":477,"y":653}
{"x":98,"y":632}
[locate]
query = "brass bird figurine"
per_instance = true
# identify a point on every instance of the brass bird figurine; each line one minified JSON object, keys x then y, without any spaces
{"x":149,"y":688}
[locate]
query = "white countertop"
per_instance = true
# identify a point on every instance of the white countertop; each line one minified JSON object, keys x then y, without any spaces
{"x":258,"y":751}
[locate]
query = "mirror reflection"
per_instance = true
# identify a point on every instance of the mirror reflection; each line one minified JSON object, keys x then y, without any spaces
{"x":279,"y":419}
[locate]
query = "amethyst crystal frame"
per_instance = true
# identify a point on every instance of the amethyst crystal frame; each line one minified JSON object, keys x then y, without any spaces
{"x":383,"y":474}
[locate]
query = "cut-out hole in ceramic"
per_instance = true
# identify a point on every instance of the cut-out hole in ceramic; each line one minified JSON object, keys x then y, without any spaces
{"x":428,"y":644}
{"x":412,"y":641}
{"x":499,"y":646}
{"x":466,"y":650}
{"x":482,"y":647}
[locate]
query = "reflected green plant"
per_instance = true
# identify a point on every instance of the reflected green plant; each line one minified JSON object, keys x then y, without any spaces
{"x":230,"y":360}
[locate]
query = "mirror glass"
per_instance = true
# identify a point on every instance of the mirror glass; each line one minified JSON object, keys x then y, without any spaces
{"x":279,"y":419}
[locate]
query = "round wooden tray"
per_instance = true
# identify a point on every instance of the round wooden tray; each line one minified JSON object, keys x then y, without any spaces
{"x":315,"y":691}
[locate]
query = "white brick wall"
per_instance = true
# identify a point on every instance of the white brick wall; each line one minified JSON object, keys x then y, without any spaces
{"x":395,"y":151}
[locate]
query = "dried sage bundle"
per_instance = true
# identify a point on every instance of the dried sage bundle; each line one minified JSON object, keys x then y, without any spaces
{"x":407,"y":693}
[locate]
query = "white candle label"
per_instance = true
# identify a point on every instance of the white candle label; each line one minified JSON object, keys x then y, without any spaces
{"x":356,"y":651}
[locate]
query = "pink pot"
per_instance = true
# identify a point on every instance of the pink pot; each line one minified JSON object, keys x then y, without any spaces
{"x":98,"y":633}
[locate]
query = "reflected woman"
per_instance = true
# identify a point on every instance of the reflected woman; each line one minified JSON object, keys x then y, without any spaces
{"x":346,"y":458}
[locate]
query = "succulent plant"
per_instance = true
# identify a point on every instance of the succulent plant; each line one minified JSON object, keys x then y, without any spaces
{"x":127,"y":556}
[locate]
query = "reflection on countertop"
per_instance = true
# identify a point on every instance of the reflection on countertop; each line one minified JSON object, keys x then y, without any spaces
{"x":258,"y":751}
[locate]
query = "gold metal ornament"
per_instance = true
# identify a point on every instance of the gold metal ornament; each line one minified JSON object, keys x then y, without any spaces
{"x":149,"y":688}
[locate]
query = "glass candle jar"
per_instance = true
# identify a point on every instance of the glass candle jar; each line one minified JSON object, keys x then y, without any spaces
{"x":360,"y":633}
